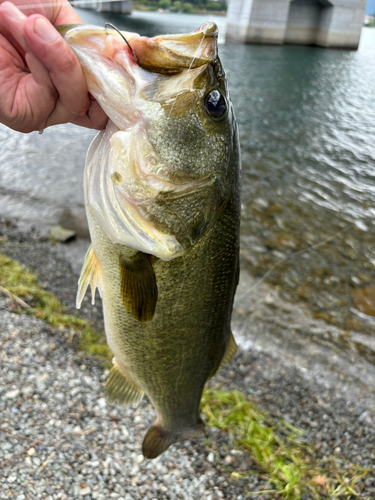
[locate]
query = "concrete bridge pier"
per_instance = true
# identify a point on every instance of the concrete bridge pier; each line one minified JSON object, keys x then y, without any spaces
{"x":327,"y":23}
{"x":118,"y":6}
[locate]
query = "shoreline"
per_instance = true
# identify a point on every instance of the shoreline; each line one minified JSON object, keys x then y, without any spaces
{"x":336,"y":412}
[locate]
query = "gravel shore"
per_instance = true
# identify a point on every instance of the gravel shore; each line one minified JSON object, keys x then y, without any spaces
{"x":59,"y":439}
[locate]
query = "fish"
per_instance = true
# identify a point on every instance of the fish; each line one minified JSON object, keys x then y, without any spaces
{"x":162,"y":197}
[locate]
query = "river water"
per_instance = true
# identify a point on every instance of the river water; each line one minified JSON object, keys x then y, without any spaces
{"x":307,"y":127}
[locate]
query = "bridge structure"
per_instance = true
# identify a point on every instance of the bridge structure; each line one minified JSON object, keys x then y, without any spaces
{"x":115,"y":6}
{"x":326,"y":23}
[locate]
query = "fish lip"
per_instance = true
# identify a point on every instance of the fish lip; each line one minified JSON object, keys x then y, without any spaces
{"x":160,"y":54}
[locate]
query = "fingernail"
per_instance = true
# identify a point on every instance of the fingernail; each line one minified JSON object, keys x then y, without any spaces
{"x":44,"y":30}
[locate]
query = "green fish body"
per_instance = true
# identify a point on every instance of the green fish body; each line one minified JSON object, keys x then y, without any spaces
{"x":162,"y":191}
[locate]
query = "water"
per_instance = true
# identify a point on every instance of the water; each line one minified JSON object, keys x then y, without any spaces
{"x":307,"y":126}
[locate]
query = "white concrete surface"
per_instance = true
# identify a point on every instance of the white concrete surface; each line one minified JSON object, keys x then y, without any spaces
{"x":328,"y":23}
{"x":118,"y":7}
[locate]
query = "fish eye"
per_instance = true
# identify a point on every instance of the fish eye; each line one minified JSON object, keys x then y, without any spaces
{"x":215,"y":104}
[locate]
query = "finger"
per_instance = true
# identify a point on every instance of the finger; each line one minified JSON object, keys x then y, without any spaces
{"x":67,"y":15}
{"x":15,"y":22}
{"x":15,"y":58}
{"x":43,"y":7}
{"x":58,"y":12}
{"x":9,"y":73}
{"x":55,"y":54}
{"x":39,"y":72}
{"x":37,"y":91}
{"x":94,"y":118}
{"x":11,"y":26}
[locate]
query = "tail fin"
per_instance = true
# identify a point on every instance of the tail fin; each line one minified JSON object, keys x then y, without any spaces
{"x":157,"y":439}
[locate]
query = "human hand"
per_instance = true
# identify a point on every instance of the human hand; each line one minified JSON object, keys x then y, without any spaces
{"x":41,"y":80}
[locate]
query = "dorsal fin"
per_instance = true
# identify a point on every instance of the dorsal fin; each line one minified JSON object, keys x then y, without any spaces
{"x":139,"y":290}
{"x":91,"y":274}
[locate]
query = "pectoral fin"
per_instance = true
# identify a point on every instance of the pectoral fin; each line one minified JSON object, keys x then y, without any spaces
{"x":121,"y":390}
{"x":90,"y":275}
{"x":229,"y":353}
{"x":139,"y":290}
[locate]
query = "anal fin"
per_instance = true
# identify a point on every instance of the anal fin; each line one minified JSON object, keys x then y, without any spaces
{"x":90,"y":275}
{"x":139,"y":291}
{"x":121,"y":390}
{"x":229,"y":353}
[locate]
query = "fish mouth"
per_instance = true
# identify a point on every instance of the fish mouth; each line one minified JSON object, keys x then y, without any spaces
{"x":175,"y":53}
{"x":160,"y":54}
{"x":124,"y":174}
{"x":137,"y":79}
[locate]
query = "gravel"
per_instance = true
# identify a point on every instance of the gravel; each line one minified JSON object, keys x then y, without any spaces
{"x":59,"y":439}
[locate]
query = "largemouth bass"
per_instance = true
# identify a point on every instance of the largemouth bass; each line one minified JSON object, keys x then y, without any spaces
{"x":163,"y":204}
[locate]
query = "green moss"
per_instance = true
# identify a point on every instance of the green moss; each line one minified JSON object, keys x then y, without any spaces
{"x":279,"y":451}
{"x":23,"y":284}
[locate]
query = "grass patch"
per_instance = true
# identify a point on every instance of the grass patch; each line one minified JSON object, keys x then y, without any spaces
{"x":22,"y":284}
{"x":279,"y":452}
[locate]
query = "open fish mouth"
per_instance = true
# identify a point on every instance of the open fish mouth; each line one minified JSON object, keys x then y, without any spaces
{"x":138,"y":82}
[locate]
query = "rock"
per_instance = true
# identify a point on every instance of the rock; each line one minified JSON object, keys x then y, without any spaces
{"x":84,"y":491}
{"x":261,"y":202}
{"x":304,"y":293}
{"x":12,"y":394}
{"x":102,"y":402}
{"x":364,"y":299}
{"x":78,"y":223}
{"x":353,"y":324}
{"x":61,"y":234}
{"x":287,"y":240}
{"x":322,"y":315}
{"x":273,"y":209}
